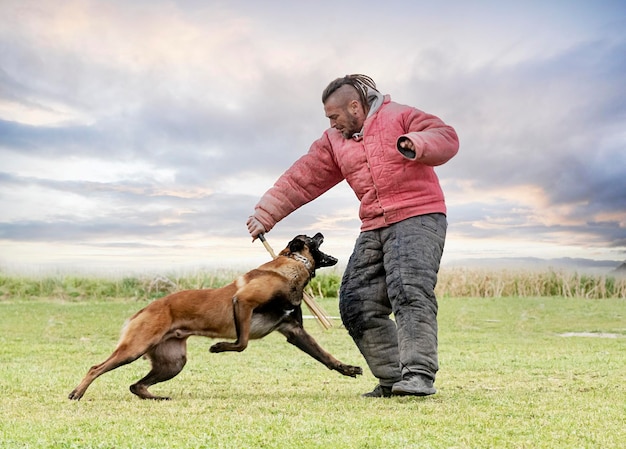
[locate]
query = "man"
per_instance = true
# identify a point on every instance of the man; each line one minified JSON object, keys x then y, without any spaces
{"x":386,"y":152}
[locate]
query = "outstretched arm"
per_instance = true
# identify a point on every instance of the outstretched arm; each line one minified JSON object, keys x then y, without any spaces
{"x":309,"y":177}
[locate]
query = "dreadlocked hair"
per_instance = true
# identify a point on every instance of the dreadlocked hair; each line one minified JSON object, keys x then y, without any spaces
{"x":360,"y":82}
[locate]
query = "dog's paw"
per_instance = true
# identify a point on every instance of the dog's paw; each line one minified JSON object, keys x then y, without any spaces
{"x":349,"y":370}
{"x":223,"y":346}
{"x":219,"y":347}
{"x":75,"y":395}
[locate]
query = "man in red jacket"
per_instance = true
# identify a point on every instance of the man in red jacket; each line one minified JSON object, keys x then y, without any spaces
{"x":386,"y":152}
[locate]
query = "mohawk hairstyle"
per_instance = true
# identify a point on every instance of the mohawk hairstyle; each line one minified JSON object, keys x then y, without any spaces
{"x":360,"y":82}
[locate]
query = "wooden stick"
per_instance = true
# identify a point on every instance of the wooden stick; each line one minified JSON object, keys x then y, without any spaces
{"x":267,"y":246}
{"x":317,"y":311}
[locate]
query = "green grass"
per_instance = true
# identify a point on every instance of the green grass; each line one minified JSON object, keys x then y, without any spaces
{"x":507,"y":380}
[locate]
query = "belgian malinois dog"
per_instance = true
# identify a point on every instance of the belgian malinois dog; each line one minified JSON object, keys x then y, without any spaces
{"x":259,"y":302}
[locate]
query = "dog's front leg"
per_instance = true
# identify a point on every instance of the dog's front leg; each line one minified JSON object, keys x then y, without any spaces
{"x":242,"y":314}
{"x":297,"y":336}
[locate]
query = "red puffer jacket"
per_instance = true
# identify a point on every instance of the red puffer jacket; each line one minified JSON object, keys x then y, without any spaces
{"x":390,"y":185}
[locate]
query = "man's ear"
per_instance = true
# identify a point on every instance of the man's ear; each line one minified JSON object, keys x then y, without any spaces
{"x":355,"y":106}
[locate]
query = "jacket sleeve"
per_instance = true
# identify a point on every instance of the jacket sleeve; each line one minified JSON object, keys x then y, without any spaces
{"x":435,"y":142}
{"x":309,"y":177}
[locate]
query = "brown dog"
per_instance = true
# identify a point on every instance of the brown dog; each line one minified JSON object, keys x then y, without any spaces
{"x":259,"y":302}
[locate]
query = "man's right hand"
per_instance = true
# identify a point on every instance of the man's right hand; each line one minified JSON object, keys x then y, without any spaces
{"x":254,"y":227}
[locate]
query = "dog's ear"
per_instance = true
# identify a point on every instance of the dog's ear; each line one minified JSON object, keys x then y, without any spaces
{"x":297,"y":244}
{"x":318,"y":239}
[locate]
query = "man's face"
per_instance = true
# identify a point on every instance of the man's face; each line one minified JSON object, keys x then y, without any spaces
{"x":345,"y":118}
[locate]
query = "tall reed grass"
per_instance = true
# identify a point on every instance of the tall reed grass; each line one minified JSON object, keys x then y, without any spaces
{"x":79,"y":288}
{"x":459,"y":282}
{"x":453,"y":282}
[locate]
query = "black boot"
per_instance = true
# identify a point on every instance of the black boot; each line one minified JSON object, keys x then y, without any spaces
{"x":379,"y":392}
{"x":414,"y":385}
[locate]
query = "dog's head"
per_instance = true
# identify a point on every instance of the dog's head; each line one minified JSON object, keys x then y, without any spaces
{"x":309,"y":247}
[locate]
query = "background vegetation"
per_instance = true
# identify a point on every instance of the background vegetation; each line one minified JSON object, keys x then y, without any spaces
{"x":454,"y":283}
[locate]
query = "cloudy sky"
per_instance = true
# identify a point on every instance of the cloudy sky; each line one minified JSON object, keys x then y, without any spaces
{"x":140,"y":134}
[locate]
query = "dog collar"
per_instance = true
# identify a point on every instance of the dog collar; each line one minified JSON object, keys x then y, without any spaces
{"x":304,"y":260}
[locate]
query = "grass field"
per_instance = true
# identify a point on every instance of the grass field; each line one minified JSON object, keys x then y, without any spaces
{"x":510,"y":377}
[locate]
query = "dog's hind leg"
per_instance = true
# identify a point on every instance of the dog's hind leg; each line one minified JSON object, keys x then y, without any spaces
{"x":121,"y":356}
{"x":137,"y":337}
{"x":168,"y":359}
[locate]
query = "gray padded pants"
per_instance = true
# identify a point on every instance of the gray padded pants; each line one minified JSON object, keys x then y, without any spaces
{"x":394,"y":270}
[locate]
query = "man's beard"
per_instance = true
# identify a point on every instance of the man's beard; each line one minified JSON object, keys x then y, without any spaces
{"x":352,"y":127}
